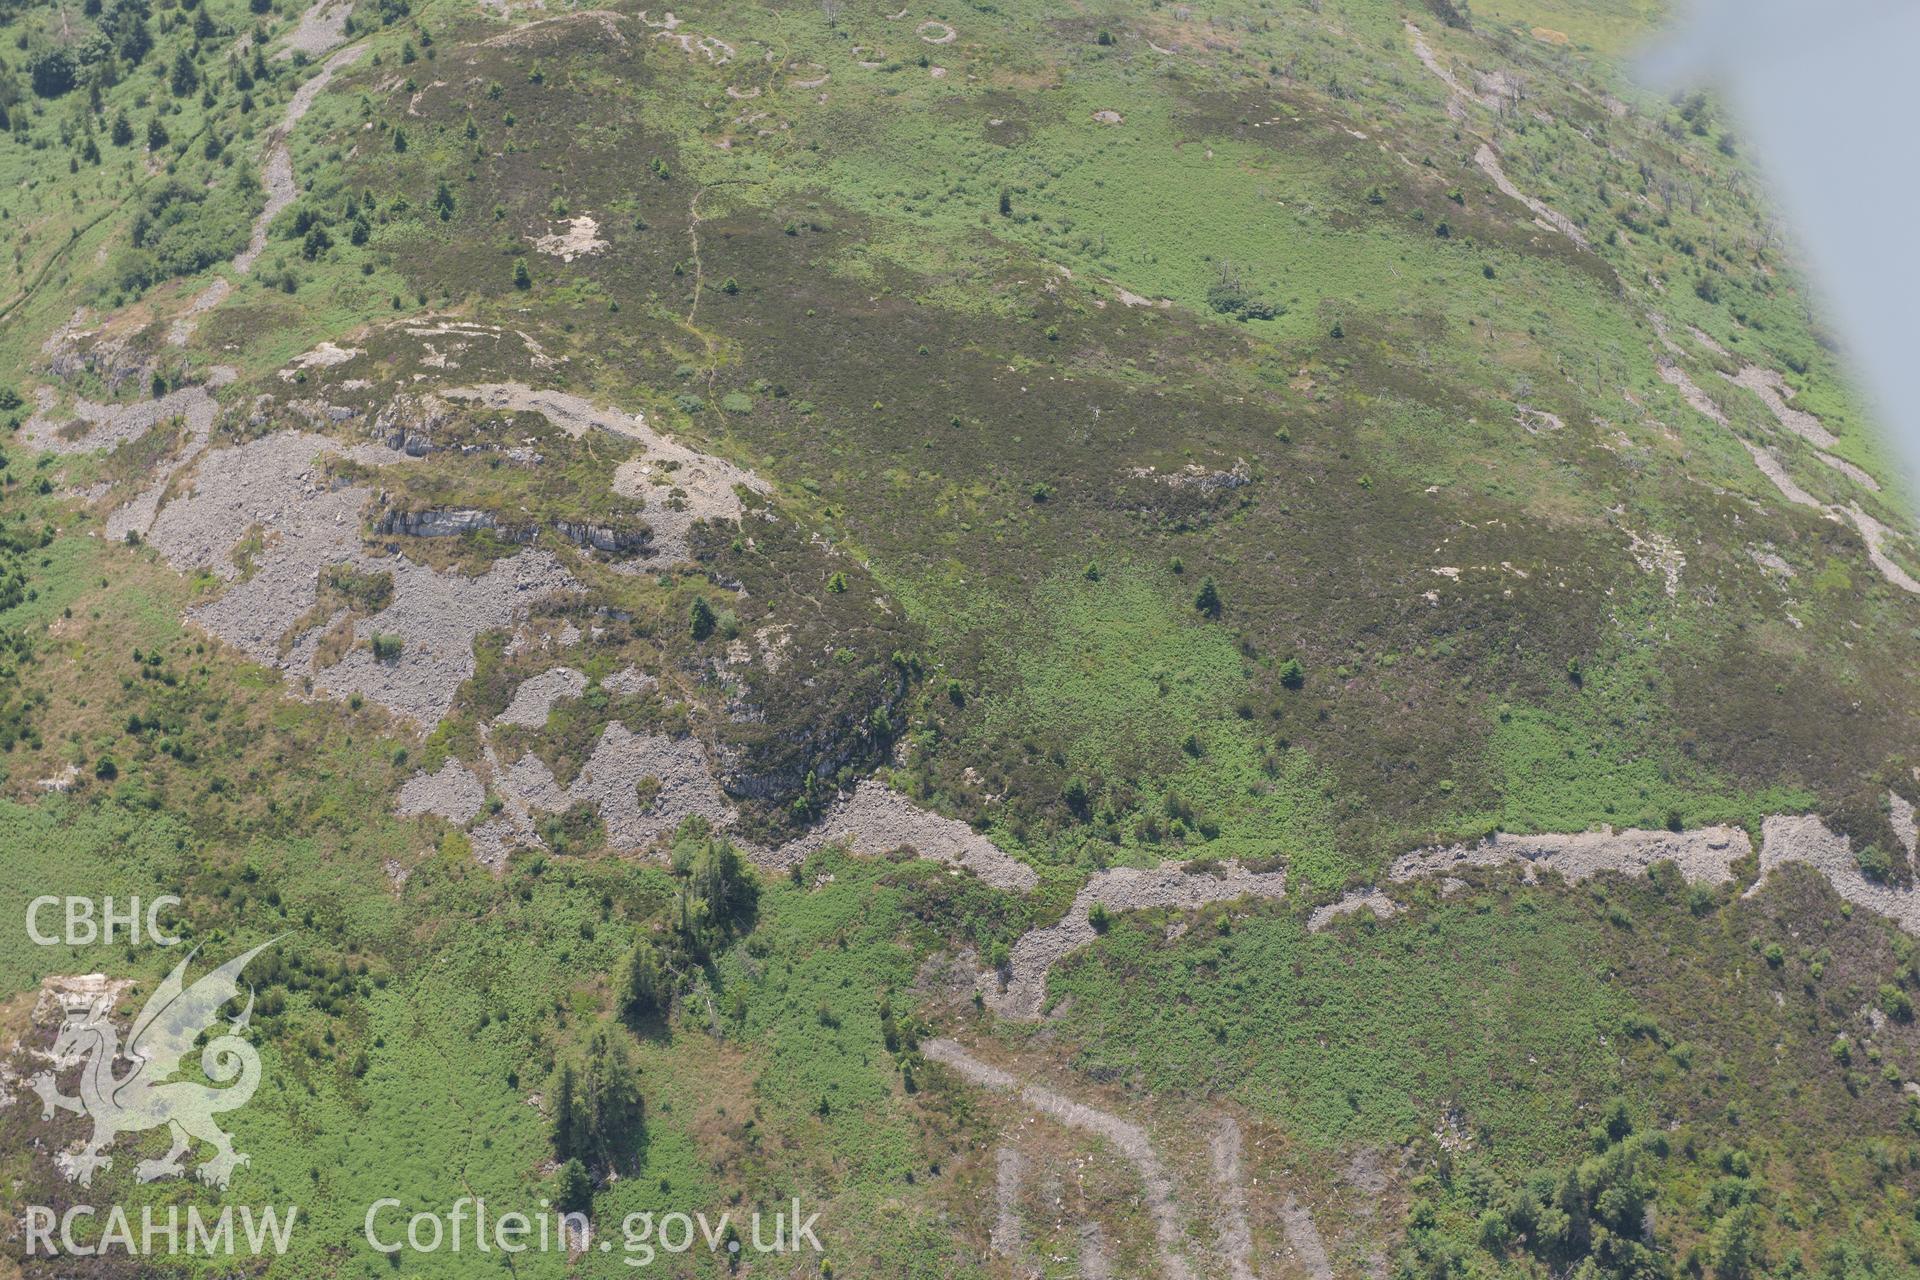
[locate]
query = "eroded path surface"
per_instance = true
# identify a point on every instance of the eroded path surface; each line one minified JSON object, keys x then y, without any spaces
{"x":277,"y":166}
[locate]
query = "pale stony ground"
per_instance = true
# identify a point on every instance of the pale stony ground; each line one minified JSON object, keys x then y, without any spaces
{"x":1769,"y":386}
{"x":1489,"y":164}
{"x":612,"y":775}
{"x":1658,"y":553}
{"x":1230,"y":1204}
{"x":675,"y":768}
{"x":1676,"y":377}
{"x":1009,"y":1168}
{"x":1876,"y":536}
{"x":580,"y":239}
{"x":1373,"y":900}
{"x":324,"y":356}
{"x":1773,"y":391}
{"x":1093,"y":1252}
{"x":678,"y":485}
{"x":180,"y":331}
{"x":1704,"y":856}
{"x":57,"y":993}
{"x":321,"y":28}
{"x":1494,"y":92}
{"x":274,"y":485}
{"x":1775,"y":470}
{"x":1807,"y":840}
{"x":1431,"y":61}
{"x":1304,"y":1238}
{"x":1219,"y":1203}
{"x":875,"y":820}
{"x":454,"y":793}
{"x":533,"y":701}
{"x":1115,"y":889}
{"x":277,"y":170}
{"x":438,"y":616}
{"x":1850,"y":471}
{"x":1900,"y":813}
{"x":111,"y":425}
{"x":631,"y":682}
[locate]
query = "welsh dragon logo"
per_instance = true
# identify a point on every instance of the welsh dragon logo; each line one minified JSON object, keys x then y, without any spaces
{"x":147,"y":1096}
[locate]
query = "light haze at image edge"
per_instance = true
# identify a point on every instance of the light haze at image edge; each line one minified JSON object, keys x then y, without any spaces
{"x":1827,"y":99}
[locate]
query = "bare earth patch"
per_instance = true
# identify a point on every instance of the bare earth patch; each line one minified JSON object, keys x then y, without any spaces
{"x":581,"y":238}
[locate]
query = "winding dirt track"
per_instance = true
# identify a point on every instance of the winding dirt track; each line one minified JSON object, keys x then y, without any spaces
{"x":1129,"y":1139}
{"x":277,"y":167}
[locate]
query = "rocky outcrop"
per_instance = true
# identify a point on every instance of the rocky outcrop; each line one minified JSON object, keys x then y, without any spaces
{"x":408,"y":422}
{"x":452,"y":522}
{"x":613,"y":539}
